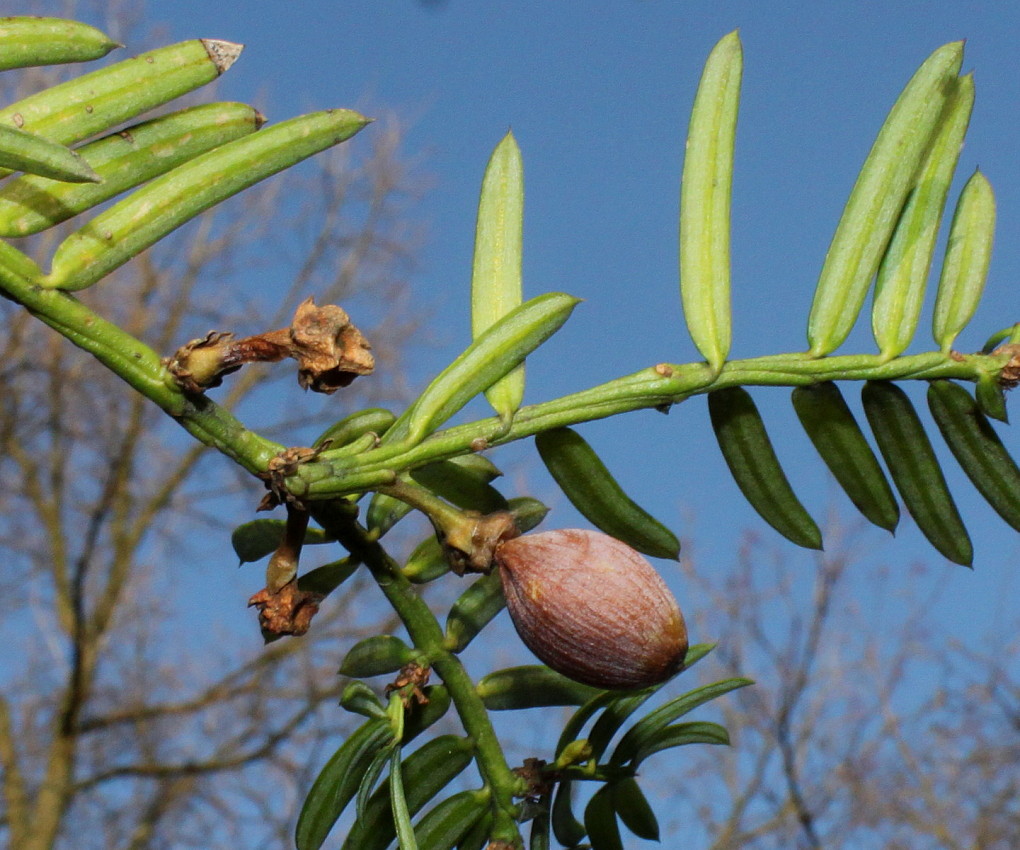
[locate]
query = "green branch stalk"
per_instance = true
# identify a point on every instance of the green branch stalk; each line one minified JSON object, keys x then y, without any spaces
{"x":427,"y":635}
{"x":337,"y":473}
{"x":657,"y":387}
{"x":136,"y":363}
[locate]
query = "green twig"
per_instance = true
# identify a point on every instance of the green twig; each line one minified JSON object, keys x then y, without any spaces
{"x":136,"y":363}
{"x":659,"y":387}
{"x":427,"y":636}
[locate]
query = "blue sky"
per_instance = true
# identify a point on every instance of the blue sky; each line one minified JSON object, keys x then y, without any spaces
{"x":598,"y":96}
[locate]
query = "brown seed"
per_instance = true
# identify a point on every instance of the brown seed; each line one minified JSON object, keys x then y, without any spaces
{"x":592,"y":608}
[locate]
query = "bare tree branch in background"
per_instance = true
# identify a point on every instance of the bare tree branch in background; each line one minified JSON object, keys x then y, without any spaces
{"x":867,"y":727}
{"x":119,"y":727}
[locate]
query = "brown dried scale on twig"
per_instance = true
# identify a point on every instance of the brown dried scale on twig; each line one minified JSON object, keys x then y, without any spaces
{"x":330,"y":350}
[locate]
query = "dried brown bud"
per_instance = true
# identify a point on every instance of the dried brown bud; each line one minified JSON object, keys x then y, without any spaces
{"x":330,"y":351}
{"x":202,"y":363}
{"x":1009,"y":377}
{"x":469,"y":544}
{"x":287,"y":611}
{"x":280,"y":468}
{"x":592,"y":608}
{"x":539,"y":783}
{"x":411,"y":682}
